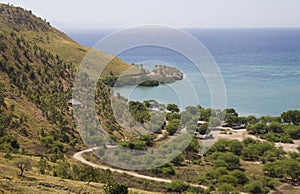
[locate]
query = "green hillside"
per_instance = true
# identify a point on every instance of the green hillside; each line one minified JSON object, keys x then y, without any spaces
{"x":37,"y":67}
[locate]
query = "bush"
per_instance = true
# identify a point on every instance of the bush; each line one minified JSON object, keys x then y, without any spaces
{"x":172,"y":126}
{"x":173,"y":108}
{"x":226,"y":188}
{"x":115,"y":188}
{"x":8,"y":144}
{"x":214,"y":122}
{"x":47,"y":141}
{"x":228,"y":179}
{"x":256,"y":188}
{"x":235,"y":146}
{"x":178,"y":159}
{"x":177,"y":186}
{"x":232,"y":161}
{"x":293,"y":131}
{"x":166,"y":169}
{"x":291,"y":116}
{"x":275,"y":127}
{"x":171,"y":116}
{"x":240,"y":176}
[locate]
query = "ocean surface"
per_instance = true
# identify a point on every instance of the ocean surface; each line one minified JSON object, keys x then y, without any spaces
{"x":260,"y":68}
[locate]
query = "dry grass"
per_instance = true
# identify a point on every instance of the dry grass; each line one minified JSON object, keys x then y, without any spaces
{"x":33,"y":182}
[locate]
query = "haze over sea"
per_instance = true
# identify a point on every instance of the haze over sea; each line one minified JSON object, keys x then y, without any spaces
{"x":260,"y":68}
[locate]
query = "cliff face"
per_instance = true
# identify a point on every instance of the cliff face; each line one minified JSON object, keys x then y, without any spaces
{"x":160,"y":74}
{"x":167,"y":72}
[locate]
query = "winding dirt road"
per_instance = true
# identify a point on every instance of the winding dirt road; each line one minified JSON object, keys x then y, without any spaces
{"x":78,"y":156}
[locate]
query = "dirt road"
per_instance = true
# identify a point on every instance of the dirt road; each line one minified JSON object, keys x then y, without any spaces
{"x":78,"y":156}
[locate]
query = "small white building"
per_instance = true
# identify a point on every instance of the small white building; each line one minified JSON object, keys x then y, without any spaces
{"x":74,"y":102}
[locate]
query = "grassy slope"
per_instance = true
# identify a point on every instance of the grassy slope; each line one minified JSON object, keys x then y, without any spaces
{"x":33,"y":182}
{"x":37,"y":32}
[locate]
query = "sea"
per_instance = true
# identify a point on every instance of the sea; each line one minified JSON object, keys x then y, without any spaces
{"x":260,"y":68}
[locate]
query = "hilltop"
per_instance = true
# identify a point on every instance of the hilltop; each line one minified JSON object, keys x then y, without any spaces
{"x":38,"y":64}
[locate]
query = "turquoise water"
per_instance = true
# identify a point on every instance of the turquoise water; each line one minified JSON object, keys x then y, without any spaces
{"x":260,"y":68}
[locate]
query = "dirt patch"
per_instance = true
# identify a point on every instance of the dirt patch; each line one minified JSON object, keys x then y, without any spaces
{"x":287,"y":189}
{"x":242,"y":134}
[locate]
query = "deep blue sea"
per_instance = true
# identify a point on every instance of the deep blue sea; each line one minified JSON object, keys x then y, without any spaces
{"x":260,"y":68}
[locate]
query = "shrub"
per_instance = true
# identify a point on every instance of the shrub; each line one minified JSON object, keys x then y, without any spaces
{"x":226,"y":188}
{"x":8,"y":144}
{"x":240,"y":176}
{"x":255,"y":188}
{"x":177,"y":186}
{"x":115,"y":188}
{"x":228,"y":179}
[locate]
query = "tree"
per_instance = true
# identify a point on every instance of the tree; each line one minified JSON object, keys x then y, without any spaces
{"x":172,"y":126}
{"x":139,"y":111}
{"x":166,"y":169}
{"x":23,"y":165}
{"x":47,"y":141}
{"x":291,"y":168}
{"x":148,"y":139}
{"x":232,"y":161}
{"x":287,"y":167}
{"x":89,"y":174}
{"x":258,"y":128}
{"x":235,"y":146}
{"x":63,"y":170}
{"x":202,"y":129}
{"x":228,"y":179}
{"x":8,"y":143}
{"x":220,"y":146}
{"x":272,"y":169}
{"x":216,"y":173}
{"x":226,"y":188}
{"x":205,"y":114}
{"x":115,"y":188}
{"x":275,"y":127}
{"x":291,"y":116}
{"x":42,"y":165}
{"x":193,"y":110}
{"x":293,"y":131}
{"x":173,"y":108}
{"x":193,"y":146}
{"x":230,"y":116}
{"x":178,"y":159}
{"x":214,"y":122}
{"x":247,"y":141}
{"x":177,"y":186}
{"x":255,"y":187}
{"x":171,"y":116}
{"x":231,"y":112}
{"x":240,"y":176}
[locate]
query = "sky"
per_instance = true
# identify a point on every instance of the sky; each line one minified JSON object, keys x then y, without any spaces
{"x":94,"y":14}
